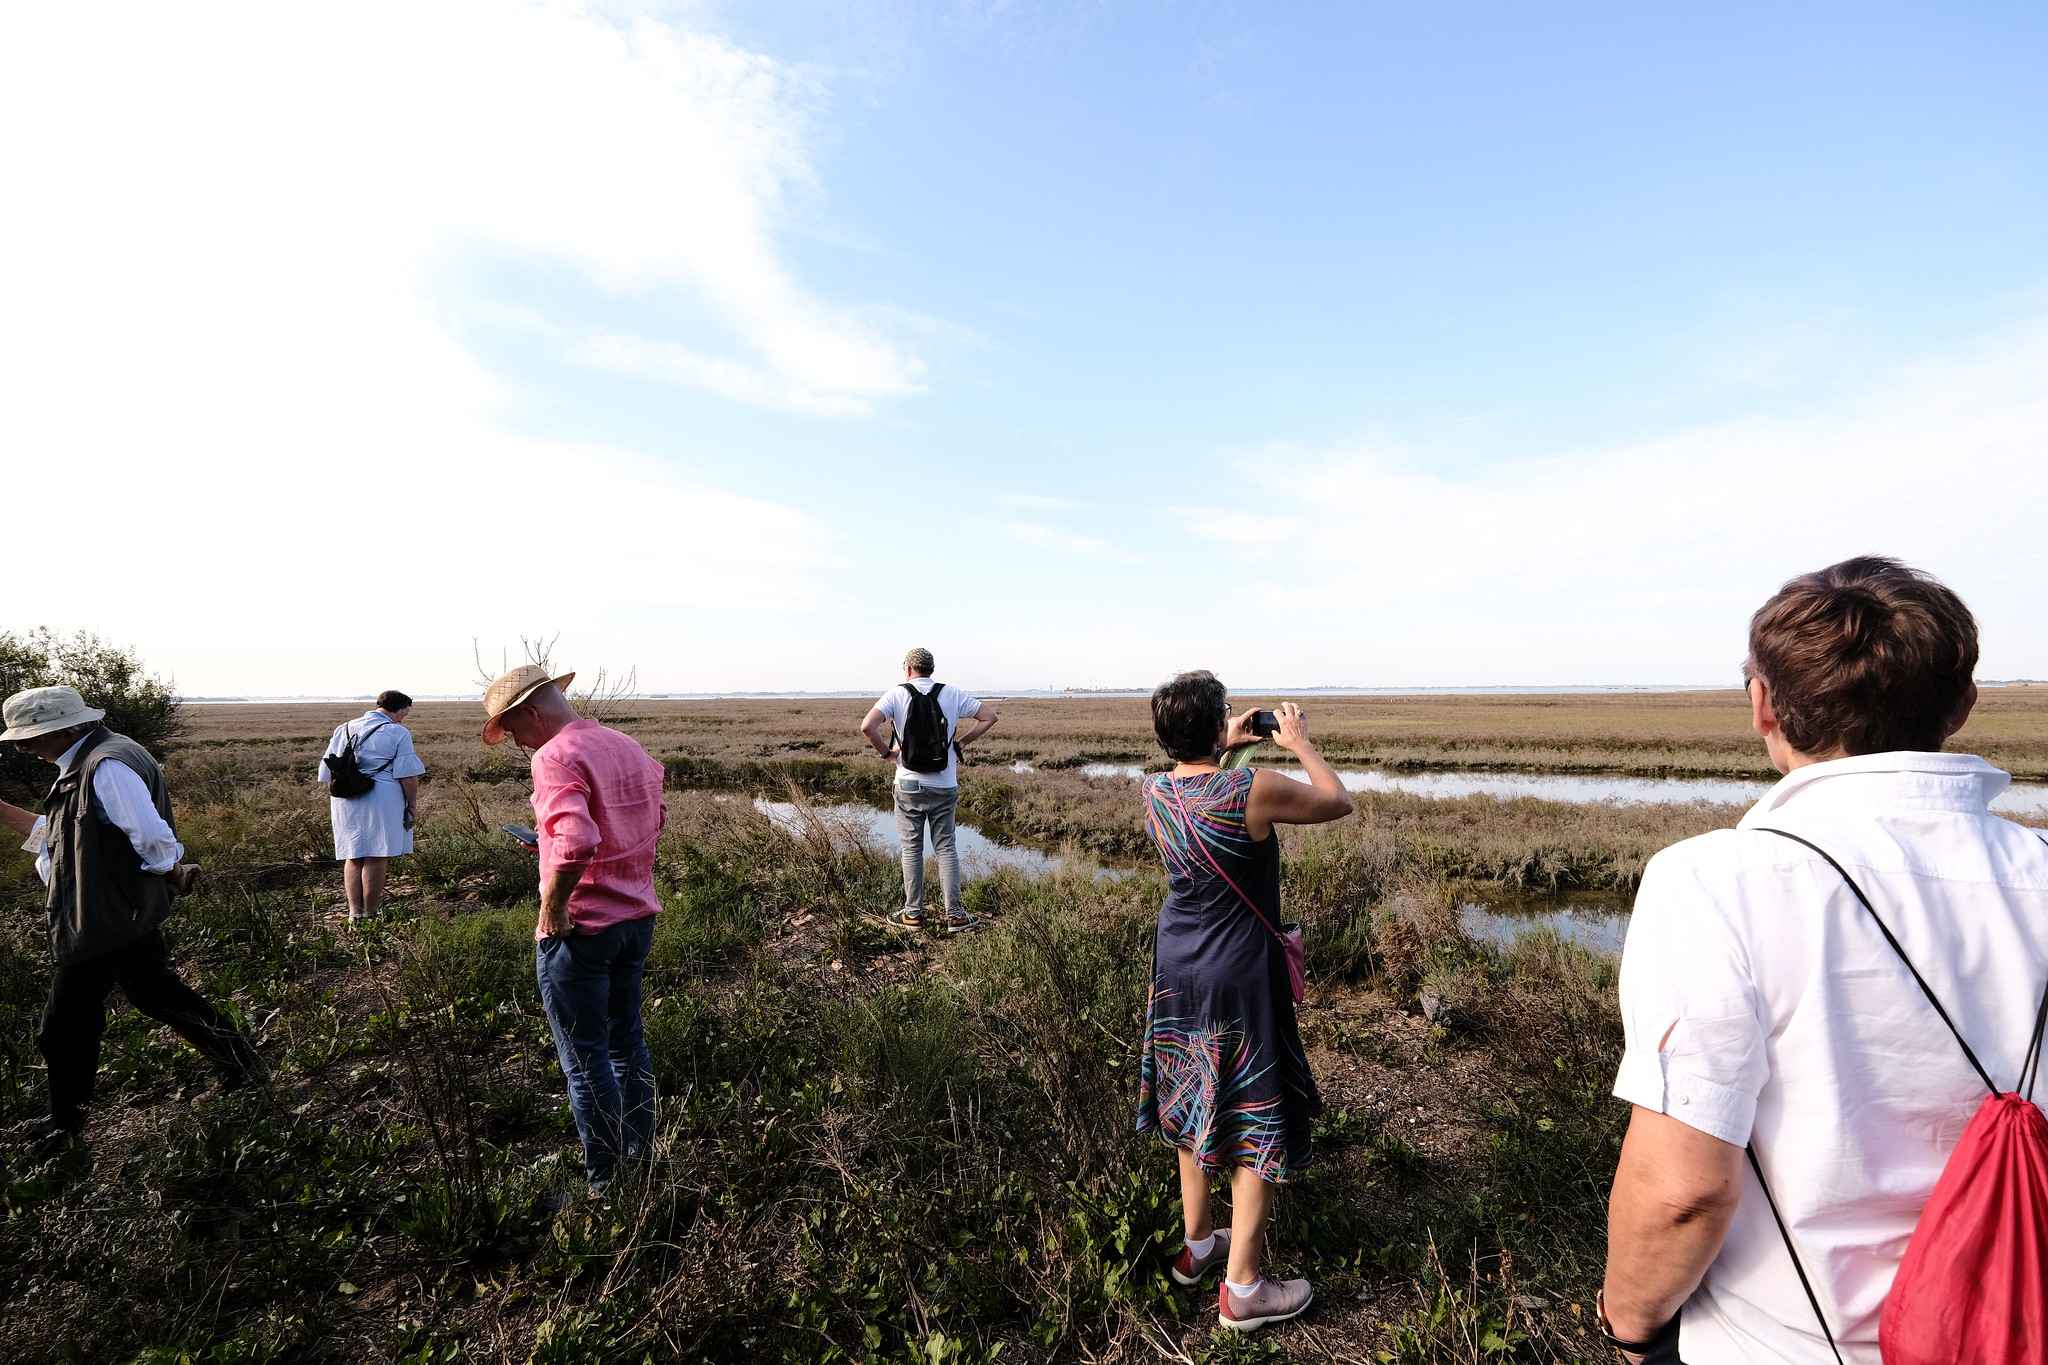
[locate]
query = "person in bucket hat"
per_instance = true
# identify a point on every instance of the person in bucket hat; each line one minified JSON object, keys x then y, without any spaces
{"x":598,"y":812}
{"x":105,"y":848}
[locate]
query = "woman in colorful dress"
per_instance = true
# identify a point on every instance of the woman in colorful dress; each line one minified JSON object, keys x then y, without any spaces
{"x":1224,"y":1079}
{"x":372,"y":829}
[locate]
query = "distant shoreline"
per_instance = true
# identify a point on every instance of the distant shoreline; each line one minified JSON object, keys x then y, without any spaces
{"x":1084,"y":693}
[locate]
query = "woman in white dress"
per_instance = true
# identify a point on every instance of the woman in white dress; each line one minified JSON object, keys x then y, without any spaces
{"x":372,"y":829}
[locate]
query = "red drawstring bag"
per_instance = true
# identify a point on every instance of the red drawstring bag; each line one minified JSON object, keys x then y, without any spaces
{"x":1972,"y":1288}
{"x":1974,"y":1283}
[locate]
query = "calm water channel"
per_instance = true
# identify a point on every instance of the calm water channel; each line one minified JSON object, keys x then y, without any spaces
{"x":1596,"y":925}
{"x":2024,"y":798}
{"x":866,"y":827}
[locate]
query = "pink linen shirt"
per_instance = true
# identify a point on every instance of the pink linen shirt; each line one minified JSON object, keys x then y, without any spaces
{"x":597,"y":803}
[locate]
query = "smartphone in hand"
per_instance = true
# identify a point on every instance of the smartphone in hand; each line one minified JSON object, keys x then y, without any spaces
{"x":1265,"y":724}
{"x":523,"y":834}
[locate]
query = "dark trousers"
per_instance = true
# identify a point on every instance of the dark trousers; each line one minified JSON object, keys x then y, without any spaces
{"x":590,"y":987}
{"x":76,"y":1017}
{"x":1664,"y":1346}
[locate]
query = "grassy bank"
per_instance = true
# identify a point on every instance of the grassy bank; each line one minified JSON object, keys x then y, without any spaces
{"x":871,"y":1147}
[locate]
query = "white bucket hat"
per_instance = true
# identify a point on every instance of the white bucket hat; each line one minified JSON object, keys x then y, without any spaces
{"x":44,"y":710}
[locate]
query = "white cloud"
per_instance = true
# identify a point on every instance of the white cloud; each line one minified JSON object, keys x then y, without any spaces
{"x":1234,"y":527}
{"x":691,"y":368}
{"x":1642,"y":562}
{"x":1044,"y":502}
{"x":224,"y":325}
{"x":1062,"y":541}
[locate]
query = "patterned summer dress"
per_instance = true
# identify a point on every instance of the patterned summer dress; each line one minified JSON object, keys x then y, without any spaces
{"x":1223,"y":1074}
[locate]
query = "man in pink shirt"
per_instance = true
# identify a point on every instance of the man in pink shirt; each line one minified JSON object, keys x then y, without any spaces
{"x":597,"y":808}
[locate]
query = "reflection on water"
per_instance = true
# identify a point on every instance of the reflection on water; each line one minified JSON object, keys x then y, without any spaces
{"x":1596,"y":928}
{"x":1579,"y":788}
{"x":863,"y":826}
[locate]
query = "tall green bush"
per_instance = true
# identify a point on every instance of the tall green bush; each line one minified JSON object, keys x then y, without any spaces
{"x":137,"y":702}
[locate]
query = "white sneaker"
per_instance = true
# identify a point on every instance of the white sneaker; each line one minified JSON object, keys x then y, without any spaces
{"x":1272,"y":1301}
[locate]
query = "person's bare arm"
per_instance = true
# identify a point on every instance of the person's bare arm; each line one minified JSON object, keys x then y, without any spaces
{"x":1277,"y":799}
{"x":873,"y":728}
{"x":1675,"y":1192}
{"x":554,"y":899}
{"x":22,"y":822}
{"x":983,"y":722}
{"x":411,"y":787}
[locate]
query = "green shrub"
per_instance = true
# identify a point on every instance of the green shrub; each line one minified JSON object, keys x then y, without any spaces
{"x":138,"y":704}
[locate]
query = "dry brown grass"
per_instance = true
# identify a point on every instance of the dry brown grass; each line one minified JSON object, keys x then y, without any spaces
{"x":1637,"y":733}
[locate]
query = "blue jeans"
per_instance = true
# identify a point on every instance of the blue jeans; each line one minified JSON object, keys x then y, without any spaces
{"x":590,"y":986}
{"x":920,"y":807}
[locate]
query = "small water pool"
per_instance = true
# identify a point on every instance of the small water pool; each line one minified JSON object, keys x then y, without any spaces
{"x":855,"y":826}
{"x":1596,"y":927}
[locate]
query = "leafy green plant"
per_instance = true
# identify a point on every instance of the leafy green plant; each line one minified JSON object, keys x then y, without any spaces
{"x":114,"y":679}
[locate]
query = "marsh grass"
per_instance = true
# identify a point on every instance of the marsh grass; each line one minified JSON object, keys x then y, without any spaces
{"x":870,"y":1146}
{"x":1645,"y":734}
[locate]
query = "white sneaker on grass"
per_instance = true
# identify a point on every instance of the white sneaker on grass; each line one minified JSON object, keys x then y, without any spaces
{"x":1273,"y":1301}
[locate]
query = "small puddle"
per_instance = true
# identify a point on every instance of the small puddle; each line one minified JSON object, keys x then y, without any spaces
{"x":1576,"y":789}
{"x":865,"y":827}
{"x":1597,"y":927}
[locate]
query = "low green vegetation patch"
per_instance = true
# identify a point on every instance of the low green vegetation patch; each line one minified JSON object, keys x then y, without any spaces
{"x":872,"y":1146}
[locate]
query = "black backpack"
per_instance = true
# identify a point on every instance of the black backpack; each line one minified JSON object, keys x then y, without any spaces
{"x":926,"y":745}
{"x":345,"y":778}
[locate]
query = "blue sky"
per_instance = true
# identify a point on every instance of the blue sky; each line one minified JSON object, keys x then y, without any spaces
{"x":748,"y":344}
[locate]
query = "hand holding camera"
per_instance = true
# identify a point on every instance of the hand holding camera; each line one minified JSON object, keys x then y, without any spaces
{"x":1289,"y":726}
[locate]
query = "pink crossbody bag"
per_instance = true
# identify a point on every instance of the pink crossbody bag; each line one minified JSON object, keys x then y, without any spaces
{"x":1288,"y":934}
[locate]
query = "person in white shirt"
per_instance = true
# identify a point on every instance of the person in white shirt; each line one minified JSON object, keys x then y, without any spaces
{"x":1762,"y":1006}
{"x":372,"y":829}
{"x":902,"y":728}
{"x":105,"y":848}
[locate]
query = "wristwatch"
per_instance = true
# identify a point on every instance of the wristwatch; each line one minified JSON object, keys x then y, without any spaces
{"x":1634,"y":1348}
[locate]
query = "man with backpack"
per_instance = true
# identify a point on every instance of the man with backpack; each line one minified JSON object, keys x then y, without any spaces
{"x":1851,"y":984}
{"x":924,"y":717}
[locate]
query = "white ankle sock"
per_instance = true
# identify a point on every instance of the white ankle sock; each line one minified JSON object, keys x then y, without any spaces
{"x":1201,"y":1248}
{"x":1244,"y":1291}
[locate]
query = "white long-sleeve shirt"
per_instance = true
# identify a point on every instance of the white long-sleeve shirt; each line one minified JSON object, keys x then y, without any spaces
{"x":127,"y":803}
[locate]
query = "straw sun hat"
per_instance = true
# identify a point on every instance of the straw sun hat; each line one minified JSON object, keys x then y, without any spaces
{"x":45,"y":710}
{"x":512,"y":688}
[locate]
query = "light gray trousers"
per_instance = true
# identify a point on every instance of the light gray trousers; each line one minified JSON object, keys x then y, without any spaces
{"x":919,"y":807}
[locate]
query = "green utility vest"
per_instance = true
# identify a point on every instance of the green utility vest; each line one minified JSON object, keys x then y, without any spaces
{"x":100,"y":898}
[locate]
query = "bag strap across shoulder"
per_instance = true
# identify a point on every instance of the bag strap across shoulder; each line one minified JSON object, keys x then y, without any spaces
{"x":1195,"y":841}
{"x":356,"y":737}
{"x":2028,"y":1070}
{"x":1892,"y":939}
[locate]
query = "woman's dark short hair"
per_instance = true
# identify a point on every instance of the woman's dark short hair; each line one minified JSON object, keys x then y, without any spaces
{"x":1186,"y":714}
{"x":391,"y":699}
{"x":1868,"y":655}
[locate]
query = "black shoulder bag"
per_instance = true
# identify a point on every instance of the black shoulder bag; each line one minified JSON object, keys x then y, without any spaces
{"x":345,"y":776}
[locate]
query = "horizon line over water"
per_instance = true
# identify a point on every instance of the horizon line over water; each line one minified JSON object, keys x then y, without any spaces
{"x":1035,"y":693}
{"x":1075,"y":693}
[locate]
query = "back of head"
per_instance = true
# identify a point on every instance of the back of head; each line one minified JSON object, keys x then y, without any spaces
{"x":920,"y":662}
{"x":1187,"y":713}
{"x":1866,"y":656}
{"x":393,"y":700}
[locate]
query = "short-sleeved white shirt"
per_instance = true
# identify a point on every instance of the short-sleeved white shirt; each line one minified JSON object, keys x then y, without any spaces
{"x":1792,"y":1024}
{"x":955,"y":703}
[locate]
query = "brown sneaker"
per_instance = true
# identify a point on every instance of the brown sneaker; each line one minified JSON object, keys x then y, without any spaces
{"x":1187,"y":1271}
{"x":1272,"y":1301}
